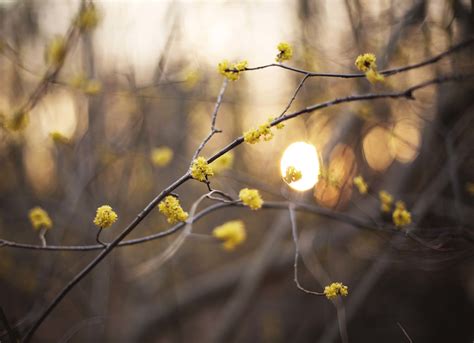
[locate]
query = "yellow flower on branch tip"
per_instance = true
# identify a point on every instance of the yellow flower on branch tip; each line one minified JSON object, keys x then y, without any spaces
{"x":361,"y":185}
{"x":285,"y":52}
{"x":161,"y":156}
{"x":17,"y":122}
{"x":251,"y":198}
{"x":92,"y":87}
{"x":401,"y":217}
{"x":231,"y":233}
{"x":56,"y":51}
{"x":292,"y":174}
{"x":58,"y":137}
{"x":88,"y":18}
{"x":105,"y":217}
{"x":386,"y":200}
{"x":200,"y":169}
{"x":223,"y":163}
{"x":366,"y":62}
{"x":40,"y":219}
{"x":232,"y":71}
{"x":264,"y":131}
{"x":374,"y":76}
{"x":336,"y":288}
{"x":172,"y":210}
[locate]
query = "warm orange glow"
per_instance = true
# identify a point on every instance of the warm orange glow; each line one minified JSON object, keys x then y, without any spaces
{"x":303,"y":157}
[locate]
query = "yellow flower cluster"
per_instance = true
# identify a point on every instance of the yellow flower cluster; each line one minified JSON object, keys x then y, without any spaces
{"x":292,"y":174}
{"x":200,"y":169}
{"x":105,"y":217}
{"x":40,"y":219}
{"x":401,"y":217}
{"x":285,"y":52}
{"x":58,"y":137}
{"x":367,"y":64}
{"x":88,"y":18}
{"x":89,"y":87}
{"x":172,"y":210}
{"x":361,"y":185}
{"x":263,"y":131}
{"x":223,"y":163}
{"x":386,"y":200}
{"x":56,"y":51}
{"x":231,"y":233}
{"x":232,"y":71}
{"x":161,"y":156}
{"x":17,"y":122}
{"x":251,"y":198}
{"x":336,"y":288}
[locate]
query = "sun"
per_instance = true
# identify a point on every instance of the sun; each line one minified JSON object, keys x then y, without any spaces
{"x":304,"y":157}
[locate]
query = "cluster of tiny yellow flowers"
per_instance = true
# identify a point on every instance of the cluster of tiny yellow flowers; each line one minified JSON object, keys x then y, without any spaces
{"x":285,"y":52}
{"x":330,"y":177}
{"x":232,"y":71}
{"x":161,"y":156}
{"x":292,"y":174}
{"x":88,"y":17}
{"x":17,"y":122}
{"x":263,"y":131}
{"x":361,"y":185}
{"x":58,"y":137}
{"x":386,"y":200}
{"x":367,"y":64}
{"x":336,"y":288}
{"x":105,"y":217}
{"x":40,"y":219}
{"x":231,"y":233}
{"x":251,"y":198}
{"x":56,"y":51}
{"x":223,"y":163}
{"x":89,"y":87}
{"x":172,"y":210}
{"x":401,"y":217}
{"x":200,"y":169}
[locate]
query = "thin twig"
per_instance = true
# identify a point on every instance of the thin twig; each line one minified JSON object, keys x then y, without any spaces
{"x":387,"y":72}
{"x":220,"y":97}
{"x":295,"y":93}
{"x":3,"y":318}
{"x":295,"y":240}
{"x":405,"y":332}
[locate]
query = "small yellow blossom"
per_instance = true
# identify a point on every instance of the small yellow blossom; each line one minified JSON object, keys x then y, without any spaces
{"x":330,"y":177}
{"x":223,"y":163}
{"x":232,"y":233}
{"x":374,"y":76}
{"x":191,"y":78}
{"x":105,"y":217}
{"x":232,"y":71}
{"x":161,"y":156}
{"x":58,"y":137}
{"x":366,"y":62}
{"x":386,"y":200}
{"x":88,"y":18}
{"x":56,"y":51}
{"x":361,"y":185}
{"x":470,"y":188}
{"x":285,"y":52}
{"x":401,"y":217}
{"x":292,"y":174}
{"x":251,"y":198}
{"x":172,"y":210}
{"x":92,"y":87}
{"x":40,"y":219}
{"x":253,"y":136}
{"x":336,"y":288}
{"x":200,"y":169}
{"x":17,"y":122}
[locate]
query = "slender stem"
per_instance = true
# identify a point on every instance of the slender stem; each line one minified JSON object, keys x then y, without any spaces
{"x":97,"y":238}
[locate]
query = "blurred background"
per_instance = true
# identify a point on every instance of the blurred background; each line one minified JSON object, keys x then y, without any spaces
{"x":83,"y":132}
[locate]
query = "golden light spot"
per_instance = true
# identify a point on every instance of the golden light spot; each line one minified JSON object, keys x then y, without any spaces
{"x":303,"y":157}
{"x":405,"y":141}
{"x":376,"y":146}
